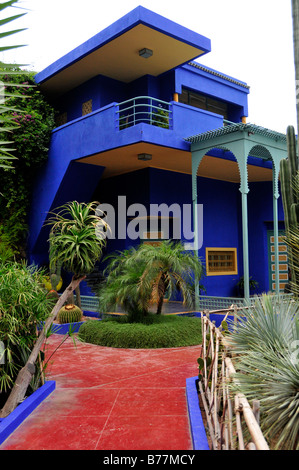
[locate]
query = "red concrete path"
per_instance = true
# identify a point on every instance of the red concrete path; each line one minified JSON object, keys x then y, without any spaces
{"x":111,"y":399}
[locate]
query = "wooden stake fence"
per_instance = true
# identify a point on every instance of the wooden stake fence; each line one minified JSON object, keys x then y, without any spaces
{"x":231,"y":422}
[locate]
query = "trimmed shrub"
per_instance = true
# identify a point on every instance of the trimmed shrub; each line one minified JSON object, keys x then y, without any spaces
{"x":163,"y":331}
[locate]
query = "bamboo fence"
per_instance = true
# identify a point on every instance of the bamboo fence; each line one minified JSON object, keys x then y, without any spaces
{"x":231,"y":422}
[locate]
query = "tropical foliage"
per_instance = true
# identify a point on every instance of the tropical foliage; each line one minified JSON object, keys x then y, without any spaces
{"x":23,"y":305}
{"x":6,"y":112}
{"x":33,"y":120}
{"x":139,"y":278}
{"x":266,"y":346}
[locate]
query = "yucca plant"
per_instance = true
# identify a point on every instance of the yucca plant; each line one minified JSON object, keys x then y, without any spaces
{"x":73,"y":240}
{"x":265,"y":344}
{"x":137,"y":278}
{"x":74,"y":244}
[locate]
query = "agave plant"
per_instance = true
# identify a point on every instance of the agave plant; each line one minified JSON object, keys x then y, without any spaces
{"x":140,"y":277}
{"x":266,"y":346}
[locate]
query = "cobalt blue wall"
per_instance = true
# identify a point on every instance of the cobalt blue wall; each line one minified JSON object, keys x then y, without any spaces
{"x":195,"y":79}
{"x":221,"y":216}
{"x":101,"y":90}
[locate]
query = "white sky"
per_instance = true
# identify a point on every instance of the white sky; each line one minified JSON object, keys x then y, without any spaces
{"x":251,"y":41}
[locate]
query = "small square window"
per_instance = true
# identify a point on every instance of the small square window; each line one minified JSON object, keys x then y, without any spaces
{"x":221,"y":261}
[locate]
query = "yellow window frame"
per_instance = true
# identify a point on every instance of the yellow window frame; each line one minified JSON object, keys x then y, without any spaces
{"x":223,"y":272}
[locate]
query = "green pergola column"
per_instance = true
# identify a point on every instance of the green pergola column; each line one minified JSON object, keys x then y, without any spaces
{"x":197,"y":157}
{"x":242,"y":140}
{"x":275,"y":160}
{"x":240,"y":149}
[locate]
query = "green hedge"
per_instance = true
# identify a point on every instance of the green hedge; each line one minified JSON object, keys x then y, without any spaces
{"x":164,"y":331}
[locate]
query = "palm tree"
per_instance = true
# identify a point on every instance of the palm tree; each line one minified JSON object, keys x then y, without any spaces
{"x":139,"y":277}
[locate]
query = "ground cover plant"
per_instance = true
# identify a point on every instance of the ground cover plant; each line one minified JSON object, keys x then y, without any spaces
{"x":265,"y":346}
{"x":163,"y":331}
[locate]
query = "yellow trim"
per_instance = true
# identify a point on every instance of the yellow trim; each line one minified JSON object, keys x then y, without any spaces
{"x":221,"y":273}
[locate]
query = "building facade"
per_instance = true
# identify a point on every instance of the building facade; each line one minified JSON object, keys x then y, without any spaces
{"x":135,"y":107}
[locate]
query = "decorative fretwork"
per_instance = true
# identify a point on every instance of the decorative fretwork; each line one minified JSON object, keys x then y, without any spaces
{"x":86,"y":107}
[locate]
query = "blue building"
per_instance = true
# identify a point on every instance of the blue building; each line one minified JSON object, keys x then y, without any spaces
{"x":140,"y":121}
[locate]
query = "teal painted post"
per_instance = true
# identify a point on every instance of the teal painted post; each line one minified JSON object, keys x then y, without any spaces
{"x":195,"y":229}
{"x":276,"y":165}
{"x":196,"y":159}
{"x":276,"y":253}
{"x":245,"y":245}
{"x":240,"y":149}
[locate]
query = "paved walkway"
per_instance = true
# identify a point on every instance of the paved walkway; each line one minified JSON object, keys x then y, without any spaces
{"x":111,"y":399}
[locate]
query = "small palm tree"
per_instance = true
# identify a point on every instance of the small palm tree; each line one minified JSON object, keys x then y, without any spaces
{"x":139,"y":277}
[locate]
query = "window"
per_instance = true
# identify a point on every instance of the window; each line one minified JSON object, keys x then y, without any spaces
{"x":221,"y":261}
{"x":86,"y":107}
{"x":203,"y":102}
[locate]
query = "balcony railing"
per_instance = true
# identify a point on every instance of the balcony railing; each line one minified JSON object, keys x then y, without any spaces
{"x":143,"y":109}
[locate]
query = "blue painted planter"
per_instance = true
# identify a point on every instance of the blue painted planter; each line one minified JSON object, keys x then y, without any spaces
{"x":198,"y":432}
{"x":16,"y":417}
{"x":64,"y":328}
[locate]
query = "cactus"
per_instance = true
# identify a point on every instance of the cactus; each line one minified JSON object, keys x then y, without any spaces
{"x":288,"y":174}
{"x":69,"y":314}
{"x":289,"y":177}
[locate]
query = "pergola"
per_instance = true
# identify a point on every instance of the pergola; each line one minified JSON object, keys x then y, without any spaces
{"x":242,"y":140}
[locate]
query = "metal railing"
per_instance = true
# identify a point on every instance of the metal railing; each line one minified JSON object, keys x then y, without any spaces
{"x":144,"y":109}
{"x":231,"y":422}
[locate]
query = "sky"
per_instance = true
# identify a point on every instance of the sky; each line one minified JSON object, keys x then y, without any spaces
{"x":252,"y":41}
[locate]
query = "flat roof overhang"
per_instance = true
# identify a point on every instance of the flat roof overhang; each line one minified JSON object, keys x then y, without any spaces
{"x":125,"y":160}
{"x":114,"y":52}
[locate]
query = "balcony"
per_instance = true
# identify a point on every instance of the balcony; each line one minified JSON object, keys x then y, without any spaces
{"x":142,"y":118}
{"x":144,"y":109}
